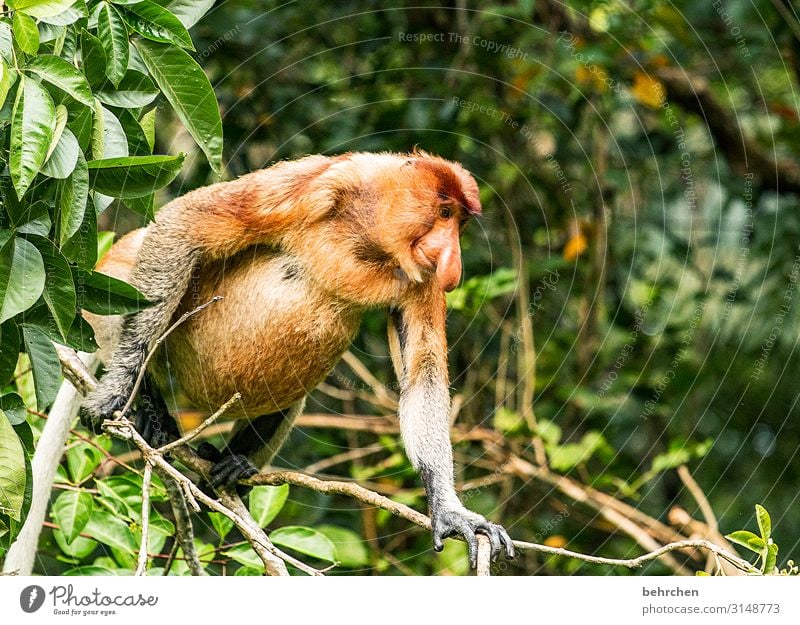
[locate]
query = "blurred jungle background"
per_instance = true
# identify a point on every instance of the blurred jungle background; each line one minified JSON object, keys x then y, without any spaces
{"x":623,"y":347}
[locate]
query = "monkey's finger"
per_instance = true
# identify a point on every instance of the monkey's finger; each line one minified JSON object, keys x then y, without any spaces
{"x":437,"y":541}
{"x":507,"y":542}
{"x":494,"y":540}
{"x":472,"y":545}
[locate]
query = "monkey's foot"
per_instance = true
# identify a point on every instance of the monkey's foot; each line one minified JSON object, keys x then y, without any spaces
{"x":447,"y":522}
{"x":97,"y":407}
{"x":156,"y":427}
{"x":228,"y":469}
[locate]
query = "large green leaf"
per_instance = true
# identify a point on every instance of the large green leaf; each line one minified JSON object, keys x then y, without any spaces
{"x":266,"y":502}
{"x":133,"y":176}
{"x":22,"y":277}
{"x":112,"y":531}
{"x":104,"y":295}
{"x":71,"y":512}
{"x":351,"y":549}
{"x":82,"y":460}
{"x":305,"y":540}
{"x":155,"y":22}
{"x":6,"y":42}
{"x":12,"y":475}
{"x":14,"y":407}
{"x":32,"y":124}
{"x":81,"y":248}
{"x":77,"y":11}
{"x":113,"y":35}
{"x":135,"y":90}
{"x":40,"y":8}
{"x":189,"y":12}
{"x":45,"y":365}
{"x":26,"y":34}
{"x":64,"y":159}
{"x":72,"y":195}
{"x":189,"y":92}
{"x":59,"y":289}
{"x":93,"y":59}
{"x":63,"y":75}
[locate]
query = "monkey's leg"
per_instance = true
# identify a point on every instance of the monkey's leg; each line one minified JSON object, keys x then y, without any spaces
{"x":151,"y":415}
{"x":253,"y":445}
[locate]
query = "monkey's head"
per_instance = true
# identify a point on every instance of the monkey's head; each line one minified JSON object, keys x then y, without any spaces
{"x":424,"y":204}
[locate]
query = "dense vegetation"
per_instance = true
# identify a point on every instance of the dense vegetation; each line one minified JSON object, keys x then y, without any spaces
{"x":629,"y":297}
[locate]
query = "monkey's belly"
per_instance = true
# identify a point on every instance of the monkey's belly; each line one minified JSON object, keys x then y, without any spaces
{"x":273,"y":337}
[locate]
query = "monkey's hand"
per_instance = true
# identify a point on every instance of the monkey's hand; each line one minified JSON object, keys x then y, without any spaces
{"x":458,"y":521}
{"x":98,"y":406}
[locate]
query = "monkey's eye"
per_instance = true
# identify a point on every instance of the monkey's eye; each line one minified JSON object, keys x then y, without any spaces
{"x":445,"y":212}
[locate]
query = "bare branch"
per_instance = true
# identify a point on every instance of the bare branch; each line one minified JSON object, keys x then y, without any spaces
{"x":141,"y":565}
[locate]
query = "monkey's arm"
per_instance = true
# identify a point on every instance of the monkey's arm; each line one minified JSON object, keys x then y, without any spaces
{"x":418,"y":345}
{"x":266,"y":207}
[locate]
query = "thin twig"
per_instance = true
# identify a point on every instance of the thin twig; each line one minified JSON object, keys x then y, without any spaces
{"x":141,"y":565}
{"x":188,"y":437}
{"x":156,"y":345}
{"x":484,"y":556}
{"x":699,"y":496}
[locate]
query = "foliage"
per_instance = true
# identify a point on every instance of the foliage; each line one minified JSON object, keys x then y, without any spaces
{"x":78,"y":85}
{"x":629,"y":294}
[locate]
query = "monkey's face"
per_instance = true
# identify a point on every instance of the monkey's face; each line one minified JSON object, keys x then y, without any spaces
{"x":439,"y":248}
{"x":424,"y":203}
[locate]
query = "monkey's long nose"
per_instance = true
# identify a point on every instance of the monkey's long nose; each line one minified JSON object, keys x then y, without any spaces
{"x":448,"y":268}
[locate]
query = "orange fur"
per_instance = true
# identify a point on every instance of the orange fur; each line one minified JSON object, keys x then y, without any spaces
{"x":358,"y":231}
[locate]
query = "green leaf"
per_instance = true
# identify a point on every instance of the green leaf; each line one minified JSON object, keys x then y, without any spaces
{"x":189,"y":12}
{"x":135,"y":90}
{"x":72,"y":195}
{"x":12,"y":476}
{"x":63,"y":75}
{"x":45,"y":365}
{"x":40,"y":8}
{"x":244,"y":555}
{"x":133,"y":176}
{"x":26,"y":34}
{"x":82,"y":460}
{"x":112,"y":531}
{"x":93,"y":59}
{"x":82,"y":247}
{"x":266,"y":502}
{"x":61,"y":123}
{"x":113,"y":35}
{"x":156,"y":23}
{"x":770,"y":557}
{"x":351,"y":549}
{"x":14,"y":407}
{"x":222,"y":524}
{"x":138,"y":143}
{"x":305,"y":540}
{"x":148,"y":124}
{"x":108,"y":136}
{"x":104,"y":295}
{"x":22,"y":277}
{"x":764,"y":522}
{"x":71,"y":512}
{"x":79,"y":548}
{"x":188,"y":90}
{"x":32,"y":124}
{"x":5,"y":81}
{"x":6,"y":42}
{"x":71,"y":15}
{"x":64,"y":159}
{"x":59,"y":289}
{"x":748,"y":540}
{"x":9,"y":350}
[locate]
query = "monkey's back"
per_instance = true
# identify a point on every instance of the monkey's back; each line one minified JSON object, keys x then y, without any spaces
{"x":273,"y":337}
